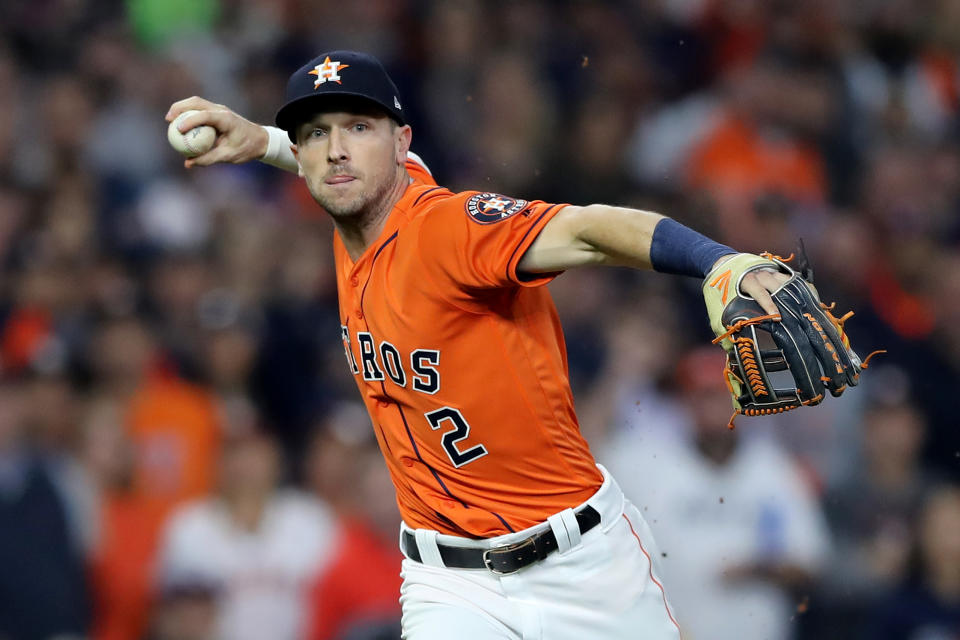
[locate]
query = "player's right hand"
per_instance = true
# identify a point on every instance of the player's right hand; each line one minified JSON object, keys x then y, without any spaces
{"x":238,"y":139}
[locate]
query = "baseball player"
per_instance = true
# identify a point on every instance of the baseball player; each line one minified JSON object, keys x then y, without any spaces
{"x":510,"y":529}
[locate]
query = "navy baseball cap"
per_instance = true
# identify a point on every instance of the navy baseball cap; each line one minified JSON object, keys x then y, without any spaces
{"x":337,"y":73}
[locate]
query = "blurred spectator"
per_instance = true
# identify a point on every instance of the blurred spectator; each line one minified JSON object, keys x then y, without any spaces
{"x":43,"y":589}
{"x":228,"y":355}
{"x":51,"y":409}
{"x":594,"y":152}
{"x":927,"y":604}
{"x":742,"y":537}
{"x":164,"y":434}
{"x":579,"y":293}
{"x":356,"y":597}
{"x":301,"y":368}
{"x":627,"y":394}
{"x":34,"y":336}
{"x":941,"y":363}
{"x":129,"y":525}
{"x":872,"y":514}
{"x":753,"y":143}
{"x":179,"y":284}
{"x":514,"y":119}
{"x":172,"y":217}
{"x":173,"y":424}
{"x":186,"y":610}
{"x":260,"y":546}
{"x":755,"y":150}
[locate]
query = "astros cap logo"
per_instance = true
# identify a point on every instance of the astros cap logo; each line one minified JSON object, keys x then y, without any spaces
{"x":327,"y":70}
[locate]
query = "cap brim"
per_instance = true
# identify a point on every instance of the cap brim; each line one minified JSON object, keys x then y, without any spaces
{"x":296,"y":111}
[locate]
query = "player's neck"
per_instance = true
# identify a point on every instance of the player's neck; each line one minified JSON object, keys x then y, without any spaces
{"x":359,"y":232}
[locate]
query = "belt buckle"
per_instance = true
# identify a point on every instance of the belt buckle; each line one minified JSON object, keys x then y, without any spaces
{"x":506,"y":549}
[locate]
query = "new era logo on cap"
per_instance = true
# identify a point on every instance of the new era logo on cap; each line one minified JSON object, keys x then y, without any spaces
{"x":336,"y":77}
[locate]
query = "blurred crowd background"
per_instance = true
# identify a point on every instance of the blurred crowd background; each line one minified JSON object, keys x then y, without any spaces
{"x":182,"y":454}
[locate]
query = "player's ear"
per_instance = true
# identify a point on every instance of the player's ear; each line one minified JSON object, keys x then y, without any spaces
{"x":296,"y":154}
{"x":403,"y":136}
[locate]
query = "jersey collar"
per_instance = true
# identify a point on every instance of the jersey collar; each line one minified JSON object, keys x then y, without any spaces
{"x":396,"y":219}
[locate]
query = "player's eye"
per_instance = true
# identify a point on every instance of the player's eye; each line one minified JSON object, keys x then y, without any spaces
{"x":360,"y":127}
{"x":317,"y":133}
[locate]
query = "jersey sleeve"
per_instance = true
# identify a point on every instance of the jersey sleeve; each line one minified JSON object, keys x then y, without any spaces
{"x":476,"y":240}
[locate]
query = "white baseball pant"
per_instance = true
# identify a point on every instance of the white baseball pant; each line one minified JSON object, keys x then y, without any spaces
{"x":602,"y":585}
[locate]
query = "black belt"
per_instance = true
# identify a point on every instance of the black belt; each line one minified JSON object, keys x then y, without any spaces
{"x":508,"y":558}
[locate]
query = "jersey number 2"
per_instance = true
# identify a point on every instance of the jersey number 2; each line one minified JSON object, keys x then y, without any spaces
{"x":459,"y":432}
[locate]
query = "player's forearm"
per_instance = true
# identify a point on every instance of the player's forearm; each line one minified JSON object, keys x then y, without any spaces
{"x":595,"y":234}
{"x":278,"y":152}
{"x":618,"y":235}
{"x":601,"y":234}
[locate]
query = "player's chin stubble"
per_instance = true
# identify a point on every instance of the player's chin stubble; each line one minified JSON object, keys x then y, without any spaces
{"x":341,"y":207}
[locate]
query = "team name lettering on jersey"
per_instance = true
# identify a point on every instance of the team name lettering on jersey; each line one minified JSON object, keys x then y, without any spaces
{"x":368,"y":356}
{"x":393,"y":363}
{"x":351,"y":361}
{"x":379,"y":362}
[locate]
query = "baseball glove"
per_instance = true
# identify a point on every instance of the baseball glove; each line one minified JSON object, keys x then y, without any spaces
{"x":805,"y":339}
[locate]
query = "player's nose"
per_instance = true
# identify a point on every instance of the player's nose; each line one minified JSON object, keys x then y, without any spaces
{"x":336,"y":147}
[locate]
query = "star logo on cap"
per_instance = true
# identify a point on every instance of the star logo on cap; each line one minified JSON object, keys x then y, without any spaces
{"x":327,"y":70}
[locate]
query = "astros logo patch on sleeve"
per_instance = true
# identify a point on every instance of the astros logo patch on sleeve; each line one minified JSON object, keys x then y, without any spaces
{"x":487,"y":208}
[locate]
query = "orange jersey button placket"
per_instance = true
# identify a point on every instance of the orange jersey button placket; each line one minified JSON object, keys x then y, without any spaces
{"x":355,"y":283}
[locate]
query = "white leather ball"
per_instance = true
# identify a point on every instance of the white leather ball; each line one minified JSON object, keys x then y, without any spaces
{"x":194,"y":142}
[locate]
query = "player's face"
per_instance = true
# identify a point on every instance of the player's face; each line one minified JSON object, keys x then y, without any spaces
{"x":350,"y":159}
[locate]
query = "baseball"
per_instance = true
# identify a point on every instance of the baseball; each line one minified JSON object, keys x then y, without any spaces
{"x":194,"y":142}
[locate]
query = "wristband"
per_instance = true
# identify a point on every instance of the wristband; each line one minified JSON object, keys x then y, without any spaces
{"x":680,"y":250}
{"x":278,"y":152}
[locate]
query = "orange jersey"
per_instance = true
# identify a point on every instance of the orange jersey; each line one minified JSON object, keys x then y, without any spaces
{"x":461,"y":363}
{"x":176,"y":434}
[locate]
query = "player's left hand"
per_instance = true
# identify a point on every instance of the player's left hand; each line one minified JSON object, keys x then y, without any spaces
{"x":238,"y":139}
{"x":748,"y":293}
{"x":760,"y":284}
